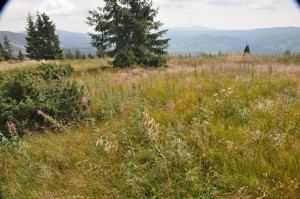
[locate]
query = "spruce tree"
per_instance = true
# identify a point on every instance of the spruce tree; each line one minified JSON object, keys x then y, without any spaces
{"x":247,"y":49}
{"x":8,"y":49}
{"x":30,"y":39}
{"x":90,"y":56}
{"x":20,"y":56}
{"x":69,"y":54}
{"x":2,"y":53}
{"x":77,"y":54}
{"x":129,"y":33}
{"x":52,"y":44}
{"x":42,"y":42}
{"x":39,"y":38}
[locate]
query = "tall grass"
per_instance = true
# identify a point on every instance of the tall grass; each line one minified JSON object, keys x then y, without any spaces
{"x":204,"y":127}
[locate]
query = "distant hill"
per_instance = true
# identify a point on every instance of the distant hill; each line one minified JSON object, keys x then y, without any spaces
{"x":193,"y":40}
{"x":261,"y":41}
{"x":68,"y":40}
{"x":17,"y":40}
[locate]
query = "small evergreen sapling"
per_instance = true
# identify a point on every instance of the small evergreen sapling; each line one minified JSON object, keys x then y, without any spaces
{"x":21,"y":55}
{"x":247,"y":49}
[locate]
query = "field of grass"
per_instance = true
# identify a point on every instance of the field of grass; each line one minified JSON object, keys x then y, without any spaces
{"x":205,"y":127}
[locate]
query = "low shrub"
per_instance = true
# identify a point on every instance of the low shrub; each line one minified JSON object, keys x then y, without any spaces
{"x":54,"y":71}
{"x":45,"y":88}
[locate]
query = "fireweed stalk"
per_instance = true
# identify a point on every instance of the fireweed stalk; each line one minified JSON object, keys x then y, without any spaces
{"x":51,"y":120}
{"x":11,"y":127}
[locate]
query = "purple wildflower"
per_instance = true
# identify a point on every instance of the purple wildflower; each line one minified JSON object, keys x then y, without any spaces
{"x":11,"y":127}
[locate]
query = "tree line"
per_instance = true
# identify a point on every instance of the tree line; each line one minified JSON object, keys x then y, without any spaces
{"x":7,"y":52}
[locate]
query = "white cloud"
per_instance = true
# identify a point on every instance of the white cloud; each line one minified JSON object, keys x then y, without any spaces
{"x":12,"y":8}
{"x":57,"y":7}
{"x":250,"y":4}
{"x":51,"y":7}
{"x":229,"y":14}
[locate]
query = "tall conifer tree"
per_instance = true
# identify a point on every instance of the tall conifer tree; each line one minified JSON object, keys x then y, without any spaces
{"x":20,"y":56}
{"x":39,"y":38}
{"x":2,"y":53}
{"x":52,"y":48}
{"x":8,"y":49}
{"x":42,"y":42}
{"x":31,"y":38}
{"x":129,"y":33}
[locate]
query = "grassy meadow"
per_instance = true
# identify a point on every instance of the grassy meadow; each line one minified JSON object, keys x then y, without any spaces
{"x":223,"y":126}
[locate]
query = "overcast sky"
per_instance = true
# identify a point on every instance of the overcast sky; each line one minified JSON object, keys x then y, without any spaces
{"x":70,"y":15}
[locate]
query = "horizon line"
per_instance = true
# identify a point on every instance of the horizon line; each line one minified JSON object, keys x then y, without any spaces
{"x":200,"y":28}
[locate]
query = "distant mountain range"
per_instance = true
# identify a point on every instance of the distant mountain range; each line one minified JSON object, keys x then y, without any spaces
{"x":261,"y":41}
{"x":193,"y":40}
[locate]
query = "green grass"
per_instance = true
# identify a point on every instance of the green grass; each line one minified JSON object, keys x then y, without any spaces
{"x":204,"y":127}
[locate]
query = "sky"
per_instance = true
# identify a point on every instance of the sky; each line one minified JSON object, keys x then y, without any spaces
{"x":70,"y":15}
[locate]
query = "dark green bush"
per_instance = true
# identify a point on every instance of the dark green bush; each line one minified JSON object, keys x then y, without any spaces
{"x":127,"y":58}
{"x":124,"y":59}
{"x":54,"y":71}
{"x":45,"y":88}
{"x":153,"y":60}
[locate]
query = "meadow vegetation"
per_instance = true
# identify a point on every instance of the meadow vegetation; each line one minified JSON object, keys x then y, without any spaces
{"x":213,"y":126}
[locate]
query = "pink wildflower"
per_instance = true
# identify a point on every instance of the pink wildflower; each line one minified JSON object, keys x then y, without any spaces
{"x":11,"y":127}
{"x":122,"y":108}
{"x":170,"y":106}
{"x":180,"y":127}
{"x":39,"y":112}
{"x":85,"y":102}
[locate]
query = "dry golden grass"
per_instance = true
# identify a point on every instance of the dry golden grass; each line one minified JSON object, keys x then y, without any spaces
{"x":204,"y":127}
{"x":9,"y":65}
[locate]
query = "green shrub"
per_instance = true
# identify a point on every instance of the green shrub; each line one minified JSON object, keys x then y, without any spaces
{"x":128,"y":58}
{"x":54,"y":71}
{"x":153,"y":60}
{"x":124,"y":59}
{"x":45,"y":88}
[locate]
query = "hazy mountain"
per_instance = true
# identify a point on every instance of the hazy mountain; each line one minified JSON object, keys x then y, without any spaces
{"x":73,"y":39}
{"x":194,"y":40}
{"x":17,"y":40}
{"x":261,"y":41}
{"x":68,"y":40}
